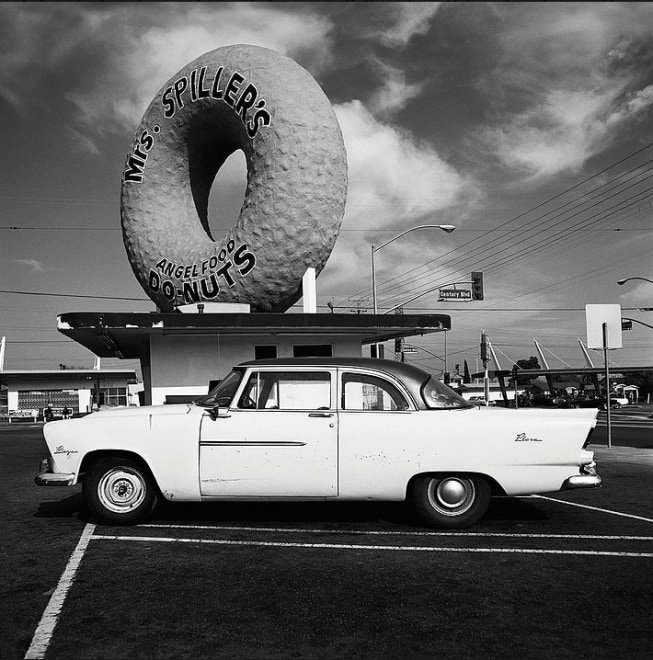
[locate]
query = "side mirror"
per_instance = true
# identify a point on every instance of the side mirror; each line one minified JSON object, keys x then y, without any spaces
{"x":219,"y":413}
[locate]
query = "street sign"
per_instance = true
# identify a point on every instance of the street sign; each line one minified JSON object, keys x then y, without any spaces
{"x":603,"y":326}
{"x":626,"y":325}
{"x":409,"y":349}
{"x":455,"y":294}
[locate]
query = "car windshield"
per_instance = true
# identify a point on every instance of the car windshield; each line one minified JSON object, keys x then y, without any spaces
{"x":222,"y":393}
{"x":438,"y":395}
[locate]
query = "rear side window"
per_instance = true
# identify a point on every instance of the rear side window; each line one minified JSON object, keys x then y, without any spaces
{"x":363,"y":392}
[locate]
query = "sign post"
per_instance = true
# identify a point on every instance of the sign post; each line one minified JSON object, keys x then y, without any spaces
{"x":604,"y":331}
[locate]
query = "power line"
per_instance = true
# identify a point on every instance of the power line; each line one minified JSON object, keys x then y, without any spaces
{"x":401,"y":281}
{"x":72,"y":295}
{"x":520,"y":240}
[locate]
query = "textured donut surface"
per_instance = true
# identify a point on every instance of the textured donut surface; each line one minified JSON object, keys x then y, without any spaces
{"x":235,"y":97}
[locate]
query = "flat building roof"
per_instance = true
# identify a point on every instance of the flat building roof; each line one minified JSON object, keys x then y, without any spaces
{"x":127,"y":335}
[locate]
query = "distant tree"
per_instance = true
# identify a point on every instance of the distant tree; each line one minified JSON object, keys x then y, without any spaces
{"x":643,"y":380}
{"x":531,"y":363}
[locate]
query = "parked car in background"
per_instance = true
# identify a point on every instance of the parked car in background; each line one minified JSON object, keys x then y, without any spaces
{"x":541,"y":400}
{"x":320,"y":429}
{"x":590,"y":401}
{"x":595,"y":401}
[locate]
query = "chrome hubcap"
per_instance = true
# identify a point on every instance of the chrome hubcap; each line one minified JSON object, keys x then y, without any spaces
{"x":121,"y":490}
{"x":452,"y":496}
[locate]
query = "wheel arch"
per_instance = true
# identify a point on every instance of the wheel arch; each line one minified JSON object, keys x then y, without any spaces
{"x":495,"y":486}
{"x":93,"y":456}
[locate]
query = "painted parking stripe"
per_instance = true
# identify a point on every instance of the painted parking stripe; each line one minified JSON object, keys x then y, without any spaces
{"x":369,"y":532}
{"x":377,"y":548}
{"x":594,"y":508}
{"x":50,"y":617}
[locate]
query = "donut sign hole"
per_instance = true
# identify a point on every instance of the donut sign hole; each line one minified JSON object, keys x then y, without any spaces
{"x":227,"y":195}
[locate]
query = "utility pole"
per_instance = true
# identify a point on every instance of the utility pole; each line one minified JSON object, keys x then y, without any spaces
{"x":486,"y":376}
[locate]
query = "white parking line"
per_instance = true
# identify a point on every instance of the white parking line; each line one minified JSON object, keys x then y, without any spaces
{"x":50,"y":617}
{"x":369,"y":532}
{"x":393,"y":548}
{"x":594,"y":508}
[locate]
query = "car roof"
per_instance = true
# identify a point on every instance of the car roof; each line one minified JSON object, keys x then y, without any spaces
{"x":405,"y":372}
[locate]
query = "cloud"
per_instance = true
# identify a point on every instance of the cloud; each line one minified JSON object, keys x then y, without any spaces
{"x":406,"y":19}
{"x":394,"y":183}
{"x":566,"y":83}
{"x":130,"y":50}
{"x":392,"y":177}
{"x":32,"y":264}
{"x":395,"y":91}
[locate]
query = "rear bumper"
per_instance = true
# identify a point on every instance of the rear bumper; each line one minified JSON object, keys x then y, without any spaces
{"x":588,"y":478}
{"x":46,"y":477}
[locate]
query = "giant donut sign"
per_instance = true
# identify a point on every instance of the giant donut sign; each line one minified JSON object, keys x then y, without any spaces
{"x":235,"y":97}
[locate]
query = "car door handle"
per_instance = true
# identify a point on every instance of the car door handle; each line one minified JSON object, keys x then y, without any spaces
{"x":320,"y":414}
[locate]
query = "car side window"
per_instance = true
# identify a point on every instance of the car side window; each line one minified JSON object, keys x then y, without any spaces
{"x":286,"y":390}
{"x":363,"y":392}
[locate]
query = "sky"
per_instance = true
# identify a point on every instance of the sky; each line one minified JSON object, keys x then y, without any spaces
{"x":528,"y":126}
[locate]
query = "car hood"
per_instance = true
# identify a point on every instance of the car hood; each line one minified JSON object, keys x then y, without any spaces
{"x":131,"y":416}
{"x":142,"y":411}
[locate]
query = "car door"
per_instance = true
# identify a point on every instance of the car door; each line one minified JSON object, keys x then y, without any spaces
{"x":279,"y":438}
{"x":378,"y":425}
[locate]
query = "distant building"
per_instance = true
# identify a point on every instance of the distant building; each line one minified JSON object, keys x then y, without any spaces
{"x":26,"y":394}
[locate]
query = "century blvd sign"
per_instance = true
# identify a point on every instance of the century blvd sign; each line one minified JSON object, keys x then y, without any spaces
{"x":455,"y":294}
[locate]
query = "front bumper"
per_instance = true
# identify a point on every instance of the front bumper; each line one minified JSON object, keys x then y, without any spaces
{"x":46,"y":477}
{"x":588,"y":478}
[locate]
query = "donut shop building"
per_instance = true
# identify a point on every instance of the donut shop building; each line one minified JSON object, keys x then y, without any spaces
{"x":182,"y":355}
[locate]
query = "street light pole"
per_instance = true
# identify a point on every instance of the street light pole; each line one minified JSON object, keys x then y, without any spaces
{"x":446,"y":228}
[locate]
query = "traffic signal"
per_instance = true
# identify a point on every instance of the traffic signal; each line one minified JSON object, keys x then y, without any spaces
{"x":477,"y":285}
{"x":483,"y":347}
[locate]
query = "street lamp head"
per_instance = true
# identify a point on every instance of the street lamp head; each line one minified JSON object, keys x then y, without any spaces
{"x":447,"y":228}
{"x":644,"y":279}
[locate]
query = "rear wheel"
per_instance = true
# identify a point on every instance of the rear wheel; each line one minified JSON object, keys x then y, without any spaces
{"x":119,"y":491}
{"x":450,"y":501}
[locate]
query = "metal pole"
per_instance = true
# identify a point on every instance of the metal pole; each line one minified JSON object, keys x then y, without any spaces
{"x":607,"y":382}
{"x":376,"y":344}
{"x":373,"y":282}
{"x":486,"y":375}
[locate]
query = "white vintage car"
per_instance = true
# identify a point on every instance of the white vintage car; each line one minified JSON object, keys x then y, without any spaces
{"x":320,"y":429}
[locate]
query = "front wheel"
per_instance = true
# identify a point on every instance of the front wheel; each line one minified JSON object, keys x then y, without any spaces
{"x":119,"y":491}
{"x":450,"y":501}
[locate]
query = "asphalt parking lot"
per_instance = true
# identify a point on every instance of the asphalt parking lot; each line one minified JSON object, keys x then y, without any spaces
{"x":566,"y":575}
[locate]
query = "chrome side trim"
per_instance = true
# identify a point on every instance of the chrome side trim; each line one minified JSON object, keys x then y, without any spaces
{"x":246,"y":443}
